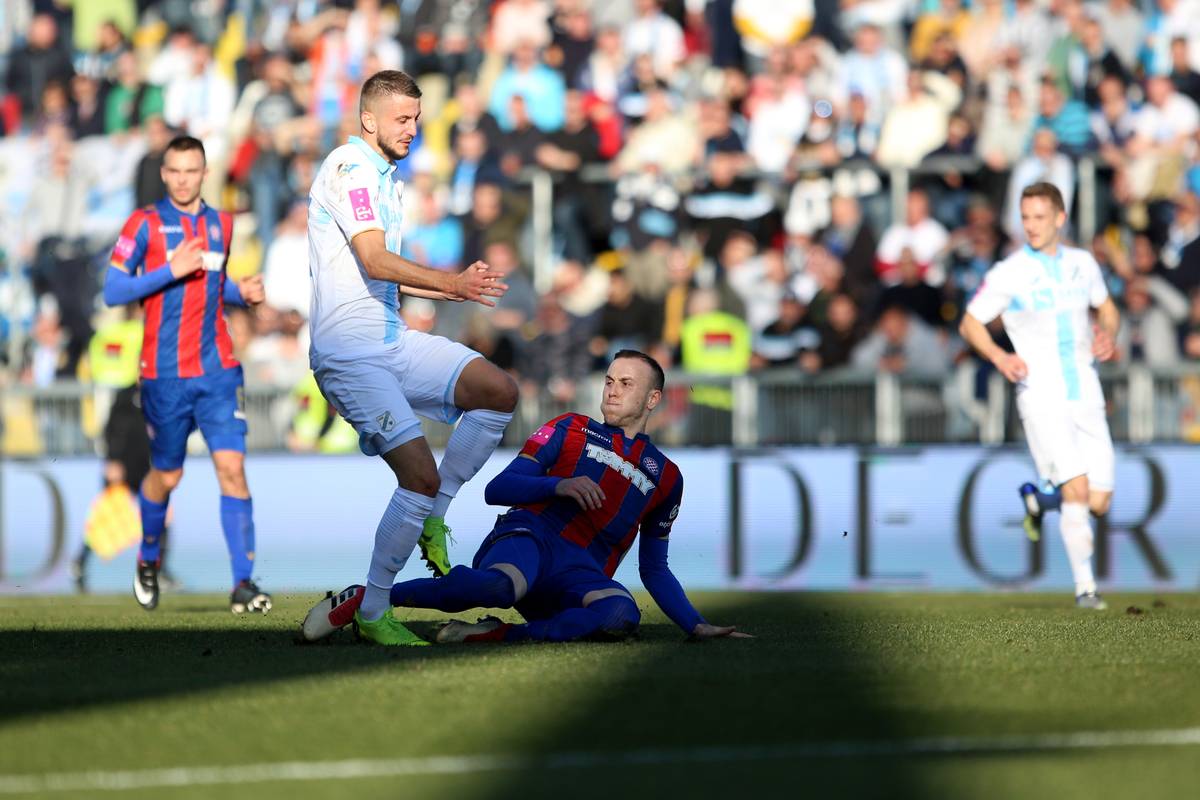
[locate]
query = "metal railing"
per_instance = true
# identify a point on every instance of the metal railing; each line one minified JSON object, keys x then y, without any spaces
{"x":782,"y":407}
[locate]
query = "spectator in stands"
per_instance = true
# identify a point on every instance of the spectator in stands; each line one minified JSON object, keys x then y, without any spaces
{"x":1148,"y":333}
{"x":718,"y":344}
{"x":519,"y":142}
{"x":493,"y":217}
{"x":605,"y":66}
{"x":665,"y":141}
{"x":1067,"y":118}
{"x":949,"y":18}
{"x":912,"y":294}
{"x":1183,"y":76}
{"x":1044,"y":163}
{"x":725,"y":201}
{"x":519,"y":303}
{"x":202,"y":104}
{"x":765,"y":25}
{"x":902,"y":344}
{"x":916,"y":125}
{"x":875,"y":71}
{"x":436,"y":240}
{"x":573,"y":41}
{"x":446,"y":37}
{"x":655,"y":34}
{"x":1101,"y":63}
{"x":285,"y":274}
{"x":130,"y":101}
{"x":1168,"y":20}
{"x":1030,"y":29}
{"x":840,"y":333}
{"x":1165,"y":128}
{"x":520,"y":22}
{"x":981,"y":42}
{"x":787,"y":339}
{"x":87,"y":107}
{"x":469,"y":115}
{"x":41,"y":61}
{"x":565,"y":153}
{"x":974,"y":249}
{"x":944,"y":59}
{"x":851,"y":239}
{"x":148,"y":185}
{"x":760,"y":281}
{"x":626,"y":320}
{"x":472,"y":163}
{"x":777,"y":124}
{"x":557,"y":355}
{"x":1124,"y":28}
{"x":857,"y":130}
{"x":1190,"y":330}
{"x":921,"y":234}
{"x":542,"y":89}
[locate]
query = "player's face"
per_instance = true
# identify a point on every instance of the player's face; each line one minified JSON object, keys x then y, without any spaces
{"x":629,"y":393}
{"x":394,"y":119}
{"x":1041,"y":221}
{"x":183,"y":171}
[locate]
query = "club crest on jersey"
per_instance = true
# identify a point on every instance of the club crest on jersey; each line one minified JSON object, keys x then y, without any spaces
{"x":386,"y":422}
{"x":610,"y":459}
{"x":650,"y":465}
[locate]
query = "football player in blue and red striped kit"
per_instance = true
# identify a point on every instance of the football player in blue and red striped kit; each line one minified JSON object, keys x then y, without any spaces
{"x":579,"y":493}
{"x":171,"y":257}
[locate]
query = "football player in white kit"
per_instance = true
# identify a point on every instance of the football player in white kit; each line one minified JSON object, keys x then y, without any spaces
{"x":1044,"y":293}
{"x":378,"y":374}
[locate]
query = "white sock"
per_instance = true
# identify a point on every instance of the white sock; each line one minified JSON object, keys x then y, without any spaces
{"x":474,"y":439}
{"x":1077,"y":536}
{"x":395,"y":538}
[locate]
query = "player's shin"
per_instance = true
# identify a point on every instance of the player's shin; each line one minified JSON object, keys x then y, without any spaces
{"x":462,"y":588}
{"x":394,"y":540}
{"x":474,"y":439}
{"x":237,"y":523}
{"x":154,"y":521}
{"x":1078,"y":538}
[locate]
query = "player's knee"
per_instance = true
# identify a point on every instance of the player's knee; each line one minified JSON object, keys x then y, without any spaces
{"x":1100,"y":503}
{"x":170,"y":478}
{"x":495,"y":588}
{"x":621,"y":615}
{"x":505,"y":393}
{"x":1075,"y":490}
{"x":424,"y":484}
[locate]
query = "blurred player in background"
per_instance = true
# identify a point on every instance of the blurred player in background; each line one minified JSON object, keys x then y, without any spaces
{"x":580,"y":491}
{"x":1043,"y":293}
{"x":378,"y":374}
{"x":171,"y":256}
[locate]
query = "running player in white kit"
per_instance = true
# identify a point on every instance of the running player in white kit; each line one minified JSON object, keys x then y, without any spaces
{"x":1043,"y":293}
{"x":378,"y":374}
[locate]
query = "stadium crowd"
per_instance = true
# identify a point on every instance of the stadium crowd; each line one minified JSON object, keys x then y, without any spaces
{"x":722,"y":170}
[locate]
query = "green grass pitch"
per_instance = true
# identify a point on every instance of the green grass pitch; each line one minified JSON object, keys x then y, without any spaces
{"x":97,"y":685}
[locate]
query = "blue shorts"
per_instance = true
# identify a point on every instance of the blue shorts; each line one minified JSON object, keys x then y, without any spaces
{"x":174,"y":407}
{"x":558,"y":574}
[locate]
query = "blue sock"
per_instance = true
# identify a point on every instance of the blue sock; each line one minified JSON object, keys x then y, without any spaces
{"x":1049,"y":501}
{"x":154,"y":521}
{"x":237,"y":523}
{"x":462,"y":588}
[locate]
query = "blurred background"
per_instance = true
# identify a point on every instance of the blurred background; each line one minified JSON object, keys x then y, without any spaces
{"x":788,"y":202}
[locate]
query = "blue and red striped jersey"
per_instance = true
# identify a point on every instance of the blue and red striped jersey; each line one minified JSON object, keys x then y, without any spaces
{"x":642,"y":487}
{"x":185,"y":335}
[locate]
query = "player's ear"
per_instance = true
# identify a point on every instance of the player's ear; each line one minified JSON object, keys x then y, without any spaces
{"x":653,"y":399}
{"x":367,"y":120}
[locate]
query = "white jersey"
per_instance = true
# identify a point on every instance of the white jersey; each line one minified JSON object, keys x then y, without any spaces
{"x":1044,"y":301}
{"x":355,"y":190}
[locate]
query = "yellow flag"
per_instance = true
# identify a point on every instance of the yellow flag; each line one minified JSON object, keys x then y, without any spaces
{"x":113,"y":522}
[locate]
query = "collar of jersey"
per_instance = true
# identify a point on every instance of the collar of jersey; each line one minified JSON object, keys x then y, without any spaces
{"x":1052,"y":264}
{"x":382,"y":164}
{"x":615,"y":429}
{"x":166,"y":205}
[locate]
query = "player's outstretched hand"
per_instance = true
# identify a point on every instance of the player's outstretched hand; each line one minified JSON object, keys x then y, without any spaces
{"x":1012,"y":367}
{"x":705,"y":631}
{"x":582,"y":490}
{"x":252,"y":290}
{"x":187,"y":258}
{"x":478,"y":283}
{"x":1103,"y":346}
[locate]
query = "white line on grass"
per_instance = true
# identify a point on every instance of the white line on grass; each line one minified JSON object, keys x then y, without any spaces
{"x":127,"y":780}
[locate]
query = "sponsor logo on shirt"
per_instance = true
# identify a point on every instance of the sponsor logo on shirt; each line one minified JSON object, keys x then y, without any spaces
{"x":613,"y":461}
{"x":666,"y":523}
{"x":170,"y":229}
{"x":542,"y":434}
{"x":360,"y":203}
{"x":124,"y":247}
{"x":598,"y":435}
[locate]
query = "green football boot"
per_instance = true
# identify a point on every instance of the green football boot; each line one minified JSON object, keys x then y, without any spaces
{"x":387,"y":630}
{"x":434,"y":551}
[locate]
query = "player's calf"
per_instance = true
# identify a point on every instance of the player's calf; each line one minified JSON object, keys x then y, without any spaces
{"x":620,"y":617}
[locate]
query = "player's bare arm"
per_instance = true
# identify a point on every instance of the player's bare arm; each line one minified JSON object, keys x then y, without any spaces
{"x":476,"y":283}
{"x":1104,"y":334}
{"x":976,"y":334}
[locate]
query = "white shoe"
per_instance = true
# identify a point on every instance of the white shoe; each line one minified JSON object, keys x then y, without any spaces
{"x":333,"y":613}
